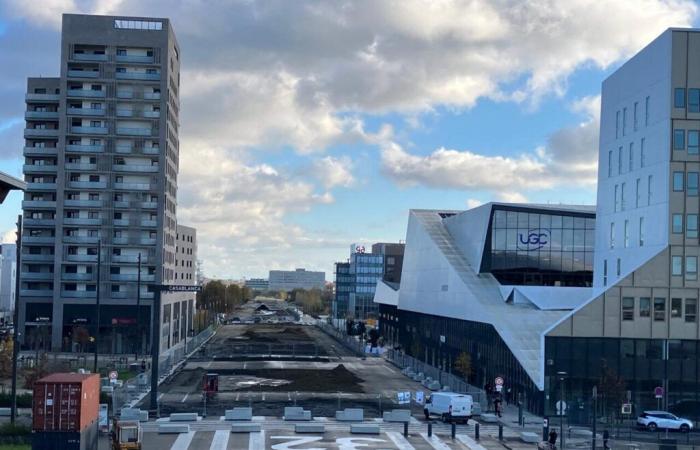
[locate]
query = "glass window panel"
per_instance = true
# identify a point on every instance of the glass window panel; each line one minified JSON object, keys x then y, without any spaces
{"x":691,"y":309}
{"x":556,"y":221}
{"x":659,"y":309}
{"x":627,"y":308}
{"x":677,"y":223}
{"x":694,"y":100}
{"x":692,"y":186}
{"x":679,"y":139}
{"x":533,"y":220}
{"x":676,"y":307}
{"x":691,"y":226}
{"x":676,"y":266}
{"x":590,"y":240}
{"x":644,"y":307}
{"x":579,"y":261}
{"x":677,"y":181}
{"x":579,"y":222}
{"x":691,"y":267}
{"x":555,"y":240}
{"x":512,"y":219}
{"x":679,"y":97}
{"x":567,"y":239}
{"x":579,"y":239}
{"x":546,"y":221}
{"x":568,"y":222}
{"x":522,"y":220}
{"x":499,"y":238}
{"x":499,"y":219}
{"x":567,"y":261}
{"x":693,"y":142}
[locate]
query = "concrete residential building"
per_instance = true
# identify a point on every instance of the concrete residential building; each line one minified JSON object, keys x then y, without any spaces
{"x":185,"y":273}
{"x":288,"y":280}
{"x":258,"y":284}
{"x":8,"y":274}
{"x":101,"y":164}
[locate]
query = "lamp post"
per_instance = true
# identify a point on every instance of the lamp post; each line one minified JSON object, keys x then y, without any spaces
{"x":562,"y":407}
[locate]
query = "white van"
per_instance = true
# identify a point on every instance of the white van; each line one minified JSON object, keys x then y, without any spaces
{"x":449,"y":406}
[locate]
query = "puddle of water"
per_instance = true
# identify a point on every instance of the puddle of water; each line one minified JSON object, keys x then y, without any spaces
{"x":247,"y":382}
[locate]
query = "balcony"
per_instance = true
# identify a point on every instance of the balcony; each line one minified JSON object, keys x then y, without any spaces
{"x":88,"y":93}
{"x":29,"y":151}
{"x":31,"y":186}
{"x":83,"y":74}
{"x":119,"y":294}
{"x":123,"y":149}
{"x":151,"y":151}
{"x":81,"y":221}
{"x":129,"y":259}
{"x":80,"y":166}
{"x":149,"y":223}
{"x":135,"y":186}
{"x":137,"y":76}
{"x":38,"y":239}
{"x":81,"y":258}
{"x":125,"y":112}
{"x":38,"y":204}
{"x":151,"y":95}
{"x":89,"y":130}
{"x":149,"y":205}
{"x":121,"y":205}
{"x":89,"y":57}
{"x":86,"y":111}
{"x":78,"y":294}
{"x":42,"y":97}
{"x":40,"y":132}
{"x":87,"y":184}
{"x":37,"y":257}
{"x":135,"y":58}
{"x":84,"y":203}
{"x":36,"y":292}
{"x":151,"y":114}
{"x":39,"y":168}
{"x":134,"y":131}
{"x":32,"y":276}
{"x":41,"y":222}
{"x":125,"y":94}
{"x":41,"y":115}
{"x":85,"y":148}
{"x":80,"y":239}
{"x":132,"y":277}
{"x":134,"y":168}
{"x":77,"y":277}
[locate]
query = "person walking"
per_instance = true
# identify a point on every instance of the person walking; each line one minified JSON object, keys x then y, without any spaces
{"x":553,"y":439}
{"x":497,"y":406}
{"x":509,"y":396}
{"x":606,"y":437}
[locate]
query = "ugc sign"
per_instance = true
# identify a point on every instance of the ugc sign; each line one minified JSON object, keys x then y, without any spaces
{"x":533,"y":239}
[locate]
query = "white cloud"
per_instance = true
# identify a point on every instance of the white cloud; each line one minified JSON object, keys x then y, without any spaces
{"x":333,"y":172}
{"x":8,"y":237}
{"x":473,"y":203}
{"x":511,"y":197}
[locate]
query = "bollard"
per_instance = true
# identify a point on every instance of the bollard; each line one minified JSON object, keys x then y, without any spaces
{"x":454,"y":430}
{"x":405,"y":429}
{"x":500,"y":431}
{"x":476,"y":431}
{"x":430,"y":429}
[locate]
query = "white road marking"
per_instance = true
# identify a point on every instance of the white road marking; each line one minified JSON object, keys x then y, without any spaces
{"x":398,"y":440}
{"x":263,"y":397}
{"x":238,"y":395}
{"x":245,"y":364}
{"x":161,"y":396}
{"x":434,"y":442}
{"x":183,"y":441}
{"x":220,"y":440}
{"x":469,"y":442}
{"x":256,"y":441}
{"x":184,"y":399}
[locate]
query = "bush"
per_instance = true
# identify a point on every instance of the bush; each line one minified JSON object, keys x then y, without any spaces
{"x":8,"y":429}
{"x":23,"y":400}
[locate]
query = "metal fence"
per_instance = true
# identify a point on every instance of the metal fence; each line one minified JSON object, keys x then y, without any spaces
{"x":135,"y":387}
{"x":351,"y":342}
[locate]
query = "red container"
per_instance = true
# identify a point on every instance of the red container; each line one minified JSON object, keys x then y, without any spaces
{"x":66,"y":402}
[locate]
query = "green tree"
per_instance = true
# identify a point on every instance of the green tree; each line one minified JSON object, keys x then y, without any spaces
{"x":612,"y":389}
{"x":463,"y":365}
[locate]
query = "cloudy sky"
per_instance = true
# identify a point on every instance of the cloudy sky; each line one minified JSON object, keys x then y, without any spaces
{"x":309,"y":125}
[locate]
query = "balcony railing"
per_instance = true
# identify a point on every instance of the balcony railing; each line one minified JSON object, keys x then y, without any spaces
{"x":31,"y":186}
{"x":135,"y":186}
{"x":40,"y":132}
{"x":151,"y":150}
{"x":86,"y":93}
{"x":125,"y":113}
{"x":81,"y":221}
{"x":149,"y":205}
{"x":83,"y":73}
{"x":151,"y":114}
{"x":81,"y":258}
{"x":38,"y":204}
{"x":151,"y":95}
{"x":78,"y":294}
{"x":40,"y":150}
{"x":36,"y":292}
{"x":43,"y":222}
{"x":89,"y":130}
{"x":134,"y":131}
{"x":85,"y":148}
{"x":134,"y":168}
{"x":84,"y":203}
{"x":89,"y":57}
{"x":86,"y":111}
{"x":129,"y":259}
{"x":87,"y":184}
{"x":41,"y":115}
{"x":36,"y":276}
{"x":132,"y":277}
{"x":42,"y":97}
{"x":35,"y":257}
{"x":38,"y":239}
{"x":39,"y":168}
{"x":80,"y":239}
{"x":123,"y":148}
{"x":149,"y":223}
{"x":134,"y":58}
{"x":77,"y":276}
{"x":137,"y":76}
{"x":80,"y":166}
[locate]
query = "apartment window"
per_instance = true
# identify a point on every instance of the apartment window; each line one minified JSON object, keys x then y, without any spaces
{"x":610,"y":163}
{"x":679,"y":98}
{"x":646,"y":111}
{"x":650,"y":189}
{"x":94,"y":178}
{"x":641,"y":153}
{"x":617,"y":201}
{"x":679,"y":139}
{"x":676,"y":265}
{"x":121,"y":52}
{"x":638,"y":192}
{"x":676,"y":307}
{"x":691,"y":226}
{"x":631,"y":157}
{"x":605,"y":272}
{"x":691,"y":309}
{"x":693,"y":138}
{"x":659,"y":309}
{"x":619,"y":160}
{"x":612,"y":234}
{"x":627,"y":308}
{"x":95,"y":123}
{"x":693,"y":100}
{"x":619,"y":267}
{"x":622,"y":197}
{"x":641,"y":231}
{"x":634,"y":114}
{"x":691,"y":267}
{"x":644,"y":307}
{"x":678,"y":181}
{"x":624,"y":121}
{"x":677,"y":223}
{"x":692,"y":184}
{"x":617,"y":124}
{"x":627,"y":234}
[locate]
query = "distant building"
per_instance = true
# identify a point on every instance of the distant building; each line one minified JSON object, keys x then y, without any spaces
{"x":393,"y":260}
{"x":257,"y":284}
{"x":288,"y":280}
{"x":8,"y":274}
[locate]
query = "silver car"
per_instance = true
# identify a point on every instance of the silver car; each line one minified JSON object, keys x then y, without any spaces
{"x":653,"y":420}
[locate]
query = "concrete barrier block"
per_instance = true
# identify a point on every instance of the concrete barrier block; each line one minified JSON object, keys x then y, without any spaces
{"x":580,"y":432}
{"x":530,"y":437}
{"x":489,"y":418}
{"x":350,"y":415}
{"x":397,"y":415}
{"x":296,"y":413}
{"x":309,"y":428}
{"x":167,"y":428}
{"x":244,"y":413}
{"x":184,"y":417}
{"x":364,"y":428}
{"x":5,"y":412}
{"x":246,"y":427}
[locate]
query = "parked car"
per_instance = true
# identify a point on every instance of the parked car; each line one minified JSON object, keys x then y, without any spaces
{"x":449,"y":406}
{"x":653,"y":420}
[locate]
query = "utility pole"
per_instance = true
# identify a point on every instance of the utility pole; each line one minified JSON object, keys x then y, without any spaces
{"x":155,"y":348}
{"x":15,"y":322}
{"x":97,"y":300}
{"x":138,"y":310}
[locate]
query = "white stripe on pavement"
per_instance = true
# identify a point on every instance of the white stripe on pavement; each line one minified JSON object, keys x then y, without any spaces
{"x":184,"y":399}
{"x":256,"y":441}
{"x":469,"y":442}
{"x":399,"y":440}
{"x":161,"y":396}
{"x":220,"y":440}
{"x":434,"y":442}
{"x":183,"y":441}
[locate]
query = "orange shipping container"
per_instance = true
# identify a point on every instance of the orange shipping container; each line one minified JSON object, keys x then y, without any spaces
{"x":66,"y":402}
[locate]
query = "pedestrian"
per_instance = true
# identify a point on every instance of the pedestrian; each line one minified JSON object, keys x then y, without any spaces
{"x":497,"y":406}
{"x":509,"y":396}
{"x":606,"y":437}
{"x":552,"y":439}
{"x":143,"y":366}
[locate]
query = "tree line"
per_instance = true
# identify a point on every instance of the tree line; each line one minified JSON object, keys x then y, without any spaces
{"x":219,"y":298}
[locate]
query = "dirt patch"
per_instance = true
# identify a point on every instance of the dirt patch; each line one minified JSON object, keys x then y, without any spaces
{"x":274,"y":335}
{"x":185,"y":381}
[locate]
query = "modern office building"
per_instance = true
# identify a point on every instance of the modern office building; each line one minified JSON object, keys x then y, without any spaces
{"x":101,"y":163}
{"x":288,"y":280}
{"x":258,"y":284}
{"x":182,"y":311}
{"x":393,"y":259}
{"x":344,"y":285}
{"x":510,"y":284}
{"x":8,"y":276}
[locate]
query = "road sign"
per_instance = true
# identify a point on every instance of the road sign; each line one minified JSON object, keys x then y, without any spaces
{"x":627,"y":409}
{"x":545,"y":422}
{"x":113,"y":375}
{"x":420,"y":397}
{"x":403,"y":397}
{"x":561,"y":407}
{"x":658,"y":392}
{"x":179,"y":288}
{"x":498,"y":381}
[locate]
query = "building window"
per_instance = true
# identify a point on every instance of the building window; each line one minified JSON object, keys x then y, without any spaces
{"x":622,"y":197}
{"x":646,"y":111}
{"x":641,"y":153}
{"x":638,"y":193}
{"x":677,"y":223}
{"x":659,"y":309}
{"x":676,"y":266}
{"x":627,"y":234}
{"x":691,"y":309}
{"x":619,"y":160}
{"x":617,"y":201}
{"x":693,"y":100}
{"x":677,"y":181}
{"x":679,"y":139}
{"x":617,"y":124}
{"x":679,"y":98}
{"x":691,"y":267}
{"x":612,"y":234}
{"x":691,"y":226}
{"x":644,"y":307}
{"x":619,"y":267}
{"x":692,"y":185}
{"x":624,"y":121}
{"x":693,"y":144}
{"x":631,"y":157}
{"x":634,"y":115}
{"x":610,"y":163}
{"x":650,"y":189}
{"x":627,"y":308}
{"x":641,"y":231}
{"x":676,"y":307}
{"x":605,"y":272}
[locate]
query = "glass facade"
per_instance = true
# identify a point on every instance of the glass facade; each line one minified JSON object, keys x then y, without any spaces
{"x":539,"y":248}
{"x":344,"y":284}
{"x":367,"y":269}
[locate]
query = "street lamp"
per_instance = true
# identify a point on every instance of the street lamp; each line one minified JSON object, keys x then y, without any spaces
{"x":562,"y":407}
